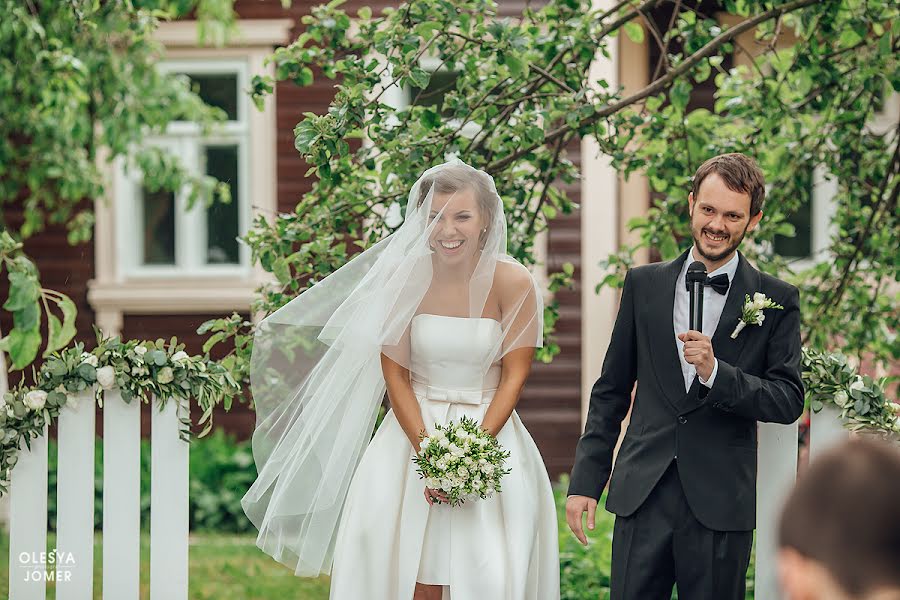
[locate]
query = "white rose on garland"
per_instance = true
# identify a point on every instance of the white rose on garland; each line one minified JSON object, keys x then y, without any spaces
{"x":165,"y":375}
{"x":106,"y":377}
{"x":89,"y":359}
{"x":36,"y":399}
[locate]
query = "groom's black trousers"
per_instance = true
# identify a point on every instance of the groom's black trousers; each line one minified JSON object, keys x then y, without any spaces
{"x":662,"y":544}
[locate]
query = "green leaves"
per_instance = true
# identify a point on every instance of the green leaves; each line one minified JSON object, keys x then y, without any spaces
{"x":281,"y":270}
{"x":23,"y":291}
{"x":634,"y":31}
{"x":25,"y":301}
{"x":59,"y":334}
{"x":23,"y":341}
{"x":22,"y":346}
{"x":419,"y":77}
{"x":680,"y":94}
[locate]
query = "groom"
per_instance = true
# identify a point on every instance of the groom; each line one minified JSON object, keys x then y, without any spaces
{"x":684,"y":485}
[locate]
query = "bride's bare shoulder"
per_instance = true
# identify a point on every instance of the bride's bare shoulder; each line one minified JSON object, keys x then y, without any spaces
{"x":512,"y":276}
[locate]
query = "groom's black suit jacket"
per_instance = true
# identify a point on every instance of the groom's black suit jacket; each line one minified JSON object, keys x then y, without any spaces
{"x":710,"y":432}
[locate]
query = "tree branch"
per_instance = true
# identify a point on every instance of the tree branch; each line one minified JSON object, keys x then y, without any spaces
{"x":660,"y":84}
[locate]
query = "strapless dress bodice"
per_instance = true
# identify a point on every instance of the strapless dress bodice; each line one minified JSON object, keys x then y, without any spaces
{"x":455,"y":353}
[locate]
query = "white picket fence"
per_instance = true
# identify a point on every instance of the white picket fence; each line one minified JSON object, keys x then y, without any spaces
{"x":72,"y":563}
{"x":169,"y":503}
{"x":776,"y":473}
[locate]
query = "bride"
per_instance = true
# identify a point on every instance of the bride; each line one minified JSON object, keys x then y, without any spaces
{"x":439,"y":316}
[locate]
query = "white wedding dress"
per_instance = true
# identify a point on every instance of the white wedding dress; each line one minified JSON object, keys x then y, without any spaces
{"x":501,"y":548}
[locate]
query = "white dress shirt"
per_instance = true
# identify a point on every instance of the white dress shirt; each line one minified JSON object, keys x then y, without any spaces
{"x":713,"y":303}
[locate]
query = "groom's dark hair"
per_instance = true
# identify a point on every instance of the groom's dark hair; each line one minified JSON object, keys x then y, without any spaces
{"x":845,"y":514}
{"x":740,"y":174}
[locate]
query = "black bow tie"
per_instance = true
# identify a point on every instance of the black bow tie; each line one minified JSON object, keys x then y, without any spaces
{"x":718,"y":283}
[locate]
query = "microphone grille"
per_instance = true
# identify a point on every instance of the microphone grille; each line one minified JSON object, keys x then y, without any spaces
{"x":696,"y":271}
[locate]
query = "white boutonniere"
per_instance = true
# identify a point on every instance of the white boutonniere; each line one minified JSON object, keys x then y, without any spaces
{"x":752,"y":313}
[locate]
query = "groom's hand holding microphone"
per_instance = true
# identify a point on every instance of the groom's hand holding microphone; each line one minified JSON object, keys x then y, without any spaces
{"x":698,"y":351}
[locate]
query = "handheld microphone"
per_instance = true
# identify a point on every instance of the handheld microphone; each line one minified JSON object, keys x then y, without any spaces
{"x":695,"y":280}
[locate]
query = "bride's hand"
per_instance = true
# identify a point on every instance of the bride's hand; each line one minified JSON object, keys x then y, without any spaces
{"x":432,"y":495}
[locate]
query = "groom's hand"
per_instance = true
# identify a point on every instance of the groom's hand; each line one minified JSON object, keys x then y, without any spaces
{"x":698,"y":351}
{"x":575,"y":509}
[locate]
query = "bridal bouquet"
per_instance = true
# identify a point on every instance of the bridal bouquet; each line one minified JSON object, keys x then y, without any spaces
{"x":462,"y":460}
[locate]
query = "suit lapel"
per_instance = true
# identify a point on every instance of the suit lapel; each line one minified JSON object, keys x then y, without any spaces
{"x":746,"y":281}
{"x":664,"y":351}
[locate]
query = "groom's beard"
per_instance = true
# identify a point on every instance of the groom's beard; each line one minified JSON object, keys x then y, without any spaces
{"x":697,"y":234}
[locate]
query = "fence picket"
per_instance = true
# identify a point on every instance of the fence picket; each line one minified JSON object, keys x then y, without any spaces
{"x":826,"y":428}
{"x":28,"y":522}
{"x":75,"y":498}
{"x":777,"y":471}
{"x":121,"y":497}
{"x":168,"y":504}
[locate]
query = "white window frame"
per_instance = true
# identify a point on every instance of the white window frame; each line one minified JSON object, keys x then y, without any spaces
{"x":186,"y":141}
{"x":117,"y":289}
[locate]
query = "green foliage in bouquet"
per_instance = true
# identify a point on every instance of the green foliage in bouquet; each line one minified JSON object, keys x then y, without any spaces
{"x":462,"y":460}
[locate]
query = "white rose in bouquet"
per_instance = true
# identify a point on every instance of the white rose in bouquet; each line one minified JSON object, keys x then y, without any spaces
{"x":87,"y":357}
{"x":180,"y":357}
